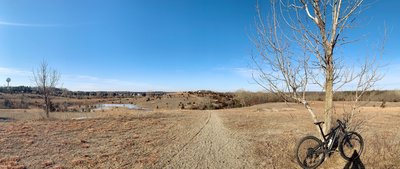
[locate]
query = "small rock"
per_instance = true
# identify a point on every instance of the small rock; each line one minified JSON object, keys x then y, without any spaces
{"x":48,"y":163}
{"x":135,"y":136}
{"x":85,"y":145}
{"x":30,"y":142}
{"x":18,"y":167}
{"x":58,"y":167}
{"x":78,"y":161}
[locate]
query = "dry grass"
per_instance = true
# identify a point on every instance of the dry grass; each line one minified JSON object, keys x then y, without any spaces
{"x":123,"y":138}
{"x":246,"y":98}
{"x":169,"y":101}
{"x":274,"y":129}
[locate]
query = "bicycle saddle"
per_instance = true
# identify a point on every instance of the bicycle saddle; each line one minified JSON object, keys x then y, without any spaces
{"x":318,"y":123}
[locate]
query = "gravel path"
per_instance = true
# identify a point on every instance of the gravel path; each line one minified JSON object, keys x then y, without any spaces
{"x":213,"y":146}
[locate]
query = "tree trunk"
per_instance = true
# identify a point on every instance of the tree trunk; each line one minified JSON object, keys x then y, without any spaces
{"x":328,"y":90}
{"x":46,"y":102}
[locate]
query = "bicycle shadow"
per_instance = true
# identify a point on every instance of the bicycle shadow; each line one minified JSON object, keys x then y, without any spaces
{"x":354,"y":162}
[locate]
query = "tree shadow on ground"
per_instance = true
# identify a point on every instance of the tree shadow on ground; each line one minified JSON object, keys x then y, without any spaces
{"x":6,"y":119}
{"x":354,"y":162}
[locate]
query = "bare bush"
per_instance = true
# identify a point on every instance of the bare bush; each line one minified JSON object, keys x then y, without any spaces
{"x":46,"y":80}
{"x":246,"y":98}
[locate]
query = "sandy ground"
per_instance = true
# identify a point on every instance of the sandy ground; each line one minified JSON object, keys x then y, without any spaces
{"x":212,"y":146}
{"x":262,"y":136}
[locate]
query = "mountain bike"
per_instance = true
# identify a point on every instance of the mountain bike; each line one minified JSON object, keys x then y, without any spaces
{"x":311,"y":151}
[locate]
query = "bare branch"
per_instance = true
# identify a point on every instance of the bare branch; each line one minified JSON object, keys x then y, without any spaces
{"x":296,"y":47}
{"x":46,"y":79}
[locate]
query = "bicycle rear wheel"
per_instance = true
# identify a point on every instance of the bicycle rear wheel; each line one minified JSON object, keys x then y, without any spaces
{"x":351,"y":146}
{"x":309,"y":152}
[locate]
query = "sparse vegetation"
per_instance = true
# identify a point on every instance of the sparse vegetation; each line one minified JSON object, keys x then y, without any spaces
{"x":273,"y":134}
{"x":25,"y":97}
{"x":8,"y":104}
{"x":246,"y":98}
{"x":46,"y":80}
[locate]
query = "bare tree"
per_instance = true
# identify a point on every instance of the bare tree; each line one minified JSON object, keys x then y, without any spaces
{"x":8,"y":80}
{"x":296,"y":42}
{"x":46,"y":80}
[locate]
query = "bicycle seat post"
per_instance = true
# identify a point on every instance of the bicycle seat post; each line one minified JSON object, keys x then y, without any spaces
{"x":320,"y":128}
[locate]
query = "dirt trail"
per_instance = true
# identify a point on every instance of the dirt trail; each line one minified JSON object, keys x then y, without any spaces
{"x":213,"y":146}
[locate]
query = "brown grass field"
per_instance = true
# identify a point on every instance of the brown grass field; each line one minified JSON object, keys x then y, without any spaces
{"x":261,"y":136}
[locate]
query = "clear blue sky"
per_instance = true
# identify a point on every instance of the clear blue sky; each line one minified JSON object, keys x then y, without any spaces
{"x":143,"y":45}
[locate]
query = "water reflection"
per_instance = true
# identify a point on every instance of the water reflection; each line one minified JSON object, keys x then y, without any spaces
{"x":110,"y":106}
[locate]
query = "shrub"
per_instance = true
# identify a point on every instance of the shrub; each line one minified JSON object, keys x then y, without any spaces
{"x":245,"y":98}
{"x":8,"y":104}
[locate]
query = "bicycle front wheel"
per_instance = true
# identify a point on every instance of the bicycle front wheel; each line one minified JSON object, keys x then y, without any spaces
{"x":351,"y":146}
{"x":309,"y":152}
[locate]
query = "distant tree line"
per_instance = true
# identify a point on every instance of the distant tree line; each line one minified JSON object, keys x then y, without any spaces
{"x":18,"y":89}
{"x":62,"y":92}
{"x":246,"y":98}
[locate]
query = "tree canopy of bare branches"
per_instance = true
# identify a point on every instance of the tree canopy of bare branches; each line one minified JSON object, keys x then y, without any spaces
{"x":296,"y":42}
{"x":46,"y":79}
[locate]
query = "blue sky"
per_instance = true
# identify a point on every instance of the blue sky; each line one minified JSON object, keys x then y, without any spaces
{"x":143,"y":45}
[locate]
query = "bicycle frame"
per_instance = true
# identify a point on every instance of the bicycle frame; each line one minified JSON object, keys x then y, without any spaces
{"x":333,"y":136}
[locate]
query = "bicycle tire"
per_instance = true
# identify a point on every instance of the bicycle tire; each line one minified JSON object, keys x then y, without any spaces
{"x":348,"y":142}
{"x":310,"y":152}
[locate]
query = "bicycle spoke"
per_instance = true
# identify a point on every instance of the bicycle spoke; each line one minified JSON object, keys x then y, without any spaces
{"x":351,"y":145}
{"x":309,"y":152}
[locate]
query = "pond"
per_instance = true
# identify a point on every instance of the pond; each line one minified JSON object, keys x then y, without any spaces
{"x":110,"y":106}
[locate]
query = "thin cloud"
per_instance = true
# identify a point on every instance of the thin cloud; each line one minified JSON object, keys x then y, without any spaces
{"x":92,"y":83}
{"x":14,"y":72}
{"x":245,"y":72}
{"x":17,"y":24}
{"x":85,"y":77}
{"x":239,"y":71}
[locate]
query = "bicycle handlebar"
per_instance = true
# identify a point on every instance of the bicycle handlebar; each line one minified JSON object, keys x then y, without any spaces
{"x":341,"y":123}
